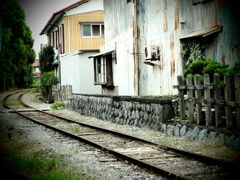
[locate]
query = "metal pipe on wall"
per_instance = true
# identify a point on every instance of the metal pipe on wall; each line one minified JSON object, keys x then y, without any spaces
{"x":136,"y":2}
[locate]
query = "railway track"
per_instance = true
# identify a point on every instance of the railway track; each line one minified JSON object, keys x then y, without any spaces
{"x":167,"y":161}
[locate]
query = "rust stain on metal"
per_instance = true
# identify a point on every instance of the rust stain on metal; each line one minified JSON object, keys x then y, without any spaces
{"x":176,"y":10}
{"x":172,"y":55}
{"x":138,"y":31}
{"x":165,"y":17}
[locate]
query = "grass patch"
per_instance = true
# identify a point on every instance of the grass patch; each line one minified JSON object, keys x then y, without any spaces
{"x":75,"y":128}
{"x":169,"y":141}
{"x":40,"y":165}
{"x":12,"y":103}
{"x":57,"y":106}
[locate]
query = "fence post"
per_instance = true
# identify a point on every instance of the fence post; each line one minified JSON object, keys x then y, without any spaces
{"x":198,"y":97}
{"x":66,"y":93}
{"x":181,"y":99}
{"x":63,"y":93}
{"x":59,"y":93}
{"x":190,"y":98}
{"x":207,"y":96}
{"x":228,"y":97}
{"x":217,"y":92}
{"x":237,"y":93}
{"x":70,"y":90}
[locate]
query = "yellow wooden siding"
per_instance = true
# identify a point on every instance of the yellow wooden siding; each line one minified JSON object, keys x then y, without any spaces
{"x":72,"y":32}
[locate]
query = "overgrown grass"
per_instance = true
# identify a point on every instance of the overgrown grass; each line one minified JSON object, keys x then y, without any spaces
{"x":39,"y":165}
{"x":12,"y":103}
{"x":57,"y":106}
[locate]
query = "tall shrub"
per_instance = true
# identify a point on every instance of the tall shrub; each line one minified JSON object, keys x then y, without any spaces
{"x":47,"y":79}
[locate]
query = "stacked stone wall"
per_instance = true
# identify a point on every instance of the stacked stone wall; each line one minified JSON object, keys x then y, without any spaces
{"x":140,"y":112}
{"x":147,"y":112}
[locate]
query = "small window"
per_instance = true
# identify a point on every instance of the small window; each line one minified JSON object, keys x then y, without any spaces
{"x":103,"y":70}
{"x":100,"y":70}
{"x":92,"y":30}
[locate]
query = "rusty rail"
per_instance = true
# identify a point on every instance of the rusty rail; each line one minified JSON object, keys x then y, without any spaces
{"x":161,"y":171}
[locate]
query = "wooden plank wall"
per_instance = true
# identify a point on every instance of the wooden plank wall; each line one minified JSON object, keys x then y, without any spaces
{"x":72,"y":35}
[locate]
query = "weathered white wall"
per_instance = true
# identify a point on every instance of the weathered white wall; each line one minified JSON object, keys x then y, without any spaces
{"x":118,"y":33}
{"x":77,"y":70}
{"x":157,"y":24}
{"x":163,"y":23}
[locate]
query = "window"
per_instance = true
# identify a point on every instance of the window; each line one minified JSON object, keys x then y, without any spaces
{"x":100,"y":70}
{"x":92,"y":30}
{"x":103,"y":72}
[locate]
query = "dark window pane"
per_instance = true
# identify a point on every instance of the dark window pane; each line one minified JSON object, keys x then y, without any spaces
{"x":95,"y":30}
{"x":86,"y":30}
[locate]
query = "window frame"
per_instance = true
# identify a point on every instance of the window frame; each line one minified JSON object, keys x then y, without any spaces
{"x":103,"y":72}
{"x":101,"y":29}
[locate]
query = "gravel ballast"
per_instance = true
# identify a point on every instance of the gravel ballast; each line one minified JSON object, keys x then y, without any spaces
{"x":42,"y":139}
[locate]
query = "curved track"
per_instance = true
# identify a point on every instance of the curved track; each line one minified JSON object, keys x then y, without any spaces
{"x":166,"y":161}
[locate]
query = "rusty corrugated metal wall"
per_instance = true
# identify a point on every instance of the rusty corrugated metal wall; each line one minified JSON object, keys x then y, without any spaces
{"x":158,"y":24}
{"x":163,"y":23}
{"x":223,"y":47}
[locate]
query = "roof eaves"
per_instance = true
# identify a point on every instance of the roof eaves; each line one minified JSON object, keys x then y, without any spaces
{"x":204,"y":33}
{"x":62,"y":11}
{"x":102,"y":54}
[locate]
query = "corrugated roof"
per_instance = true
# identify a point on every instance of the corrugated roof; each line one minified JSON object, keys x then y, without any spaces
{"x":57,"y":14}
{"x":102,"y":54}
{"x":204,"y":32}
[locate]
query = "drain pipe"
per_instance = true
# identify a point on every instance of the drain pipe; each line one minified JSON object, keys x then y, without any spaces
{"x":136,"y":45}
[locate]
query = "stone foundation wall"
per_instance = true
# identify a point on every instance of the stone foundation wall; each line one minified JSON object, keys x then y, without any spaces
{"x":147,"y":112}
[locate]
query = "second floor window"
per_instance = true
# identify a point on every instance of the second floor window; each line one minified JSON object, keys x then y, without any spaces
{"x":92,"y":29}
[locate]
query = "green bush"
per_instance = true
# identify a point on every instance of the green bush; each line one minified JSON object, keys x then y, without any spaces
{"x":210,"y":67}
{"x":47,"y":79}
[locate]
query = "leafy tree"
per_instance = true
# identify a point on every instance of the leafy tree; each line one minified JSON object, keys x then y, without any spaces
{"x":46,"y":59}
{"x":17,"y":52}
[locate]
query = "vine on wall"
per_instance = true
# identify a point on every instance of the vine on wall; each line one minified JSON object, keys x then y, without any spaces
{"x":192,"y":50}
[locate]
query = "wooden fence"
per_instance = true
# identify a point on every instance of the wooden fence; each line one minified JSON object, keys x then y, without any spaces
{"x":214,"y":99}
{"x":61,"y":92}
